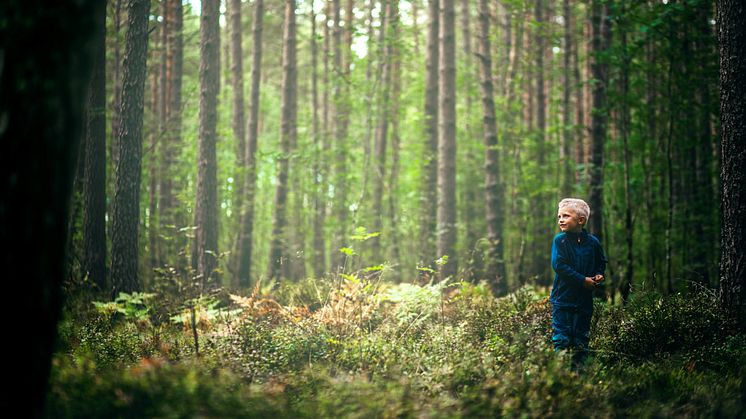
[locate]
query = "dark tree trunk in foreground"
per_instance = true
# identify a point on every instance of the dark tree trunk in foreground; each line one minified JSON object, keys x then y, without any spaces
{"x":278,"y":245}
{"x":732,"y":39}
{"x":204,"y":256}
{"x":126,"y":217}
{"x":42,"y":112}
{"x":447,"y":143}
{"x":429,"y":196}
{"x":247,"y":216}
{"x":495,"y":265}
{"x":94,"y":184}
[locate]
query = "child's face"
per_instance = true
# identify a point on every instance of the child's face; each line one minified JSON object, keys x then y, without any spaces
{"x":569,"y":221}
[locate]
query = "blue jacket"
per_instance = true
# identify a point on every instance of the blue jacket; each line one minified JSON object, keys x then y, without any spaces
{"x":575,"y":256}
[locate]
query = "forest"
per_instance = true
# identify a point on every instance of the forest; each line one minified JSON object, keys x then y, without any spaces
{"x":346,"y":208}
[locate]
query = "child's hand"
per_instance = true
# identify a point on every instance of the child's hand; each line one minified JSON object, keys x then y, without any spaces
{"x":599,"y":278}
{"x":589,"y":283}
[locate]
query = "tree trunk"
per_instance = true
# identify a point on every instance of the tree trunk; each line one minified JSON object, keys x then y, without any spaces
{"x":168,"y":208}
{"x":116,"y":82}
{"x":43,"y":91}
{"x":320,"y":181}
{"x":429,"y":195}
{"x":396,"y":85}
{"x":578,"y":85}
{"x":155,"y":132}
{"x":447,"y":232}
{"x":538,"y":264}
{"x":599,"y":118}
{"x":494,"y":211}
{"x":341,"y":117}
{"x":566,"y":163}
{"x":126,"y":217}
{"x":626,"y":283}
{"x":247,"y":215}
{"x":381,"y":139}
{"x":204,"y":255}
{"x":239,"y":124}
{"x":732,"y":40}
{"x":94,"y":187}
{"x":278,"y":247}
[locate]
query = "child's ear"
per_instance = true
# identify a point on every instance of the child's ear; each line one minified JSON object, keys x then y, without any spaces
{"x":581,"y":220}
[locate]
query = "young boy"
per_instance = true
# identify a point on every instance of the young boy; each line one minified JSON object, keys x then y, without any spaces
{"x":579,"y":263}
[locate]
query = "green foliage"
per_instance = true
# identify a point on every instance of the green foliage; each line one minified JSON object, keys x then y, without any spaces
{"x":424,"y":350}
{"x":133,"y":306}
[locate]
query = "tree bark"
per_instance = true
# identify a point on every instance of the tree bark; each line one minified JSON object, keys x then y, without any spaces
{"x":168,"y":208}
{"x":43,"y":84}
{"x":278,"y":247}
{"x":239,"y":124}
{"x":446,"y":215}
{"x":381,"y":139}
{"x":247,"y":216}
{"x":538,"y":265}
{"x":599,"y":69}
{"x":429,"y":195}
{"x":732,"y":40}
{"x":94,"y":187}
{"x":566,"y":163}
{"x":341,"y":118}
{"x":494,"y":209}
{"x":319,"y":180}
{"x":126,"y":217}
{"x":204,"y":255}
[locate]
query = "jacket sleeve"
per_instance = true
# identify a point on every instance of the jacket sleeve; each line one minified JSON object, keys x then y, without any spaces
{"x":560,"y":263}
{"x":602,"y":260}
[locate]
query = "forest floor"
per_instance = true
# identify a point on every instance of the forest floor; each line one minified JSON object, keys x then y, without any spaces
{"x":359,"y":348}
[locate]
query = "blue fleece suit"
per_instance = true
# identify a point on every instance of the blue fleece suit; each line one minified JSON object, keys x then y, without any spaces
{"x":575,"y":256}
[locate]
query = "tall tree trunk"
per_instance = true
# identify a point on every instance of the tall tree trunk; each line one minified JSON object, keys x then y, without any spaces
{"x":279,"y":243}
{"x":469,"y":191}
{"x":239,"y":124}
{"x":578,"y":85}
{"x":538,"y":265}
{"x":94,"y":187}
{"x":494,"y":211}
{"x":157,"y":108}
{"x":381,"y":139}
{"x":626,"y":283}
{"x":447,"y":142}
{"x":320,"y":181}
{"x":566,"y":163}
{"x":370,"y":94}
{"x":396,"y":85}
{"x":204,"y":255}
{"x":429,"y":196}
{"x":126,"y":217}
{"x":43,"y":92}
{"x":171,"y":140}
{"x":732,"y":39}
{"x":341,"y":117}
{"x":599,"y":118}
{"x":116,"y":83}
{"x":247,"y":215}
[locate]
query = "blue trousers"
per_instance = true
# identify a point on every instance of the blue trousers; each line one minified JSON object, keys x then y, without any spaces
{"x":571,"y":330}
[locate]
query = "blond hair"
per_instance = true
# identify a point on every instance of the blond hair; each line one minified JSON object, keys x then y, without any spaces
{"x":579,"y":206}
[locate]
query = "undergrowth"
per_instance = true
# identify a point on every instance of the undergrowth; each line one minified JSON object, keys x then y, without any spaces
{"x":363,"y":348}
